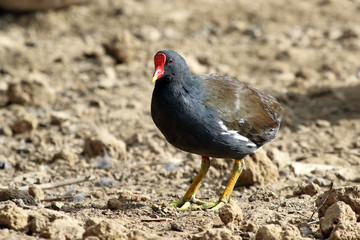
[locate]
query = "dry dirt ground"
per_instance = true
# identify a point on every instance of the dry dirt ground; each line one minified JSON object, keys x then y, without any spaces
{"x":76,"y":132}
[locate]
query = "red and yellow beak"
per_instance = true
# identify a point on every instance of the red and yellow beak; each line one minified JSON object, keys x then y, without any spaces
{"x":159,"y":62}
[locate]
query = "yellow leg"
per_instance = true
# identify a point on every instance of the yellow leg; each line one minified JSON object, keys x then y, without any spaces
{"x":189,"y":196}
{"x":224,"y":198}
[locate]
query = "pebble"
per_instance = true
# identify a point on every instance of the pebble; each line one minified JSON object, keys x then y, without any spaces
{"x":269,"y":232}
{"x":36,"y":192}
{"x":259,"y":169}
{"x":231,"y":213}
{"x":68,"y":228}
{"x":124,"y":47}
{"x":104,"y":142}
{"x":335,"y":214}
{"x":24,"y":123}
{"x":346,"y":230}
{"x":280,"y":158}
{"x":13,"y":217}
{"x":34,"y":90}
{"x":349,"y":195}
{"x":323,"y":123}
{"x":105,"y":229}
{"x":307,"y":188}
{"x":67,"y":155}
{"x":215,"y":233}
{"x":114,"y":204}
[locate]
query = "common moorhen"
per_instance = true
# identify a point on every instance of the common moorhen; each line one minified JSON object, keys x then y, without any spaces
{"x":211,"y":115}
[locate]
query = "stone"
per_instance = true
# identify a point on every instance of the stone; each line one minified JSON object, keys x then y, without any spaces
{"x":258,"y":169}
{"x":67,"y":155}
{"x":34,"y":90}
{"x":213,"y":233}
{"x":307,"y":189}
{"x":65,"y":228}
{"x":57,"y":118}
{"x":104,"y":142}
{"x":24,"y":123}
{"x":231,"y":213}
{"x":345,"y":231}
{"x":37,"y":223}
{"x":280,"y":158}
{"x":105,"y":229}
{"x":123,"y":48}
{"x":269,"y":232}
{"x":323,"y":123}
{"x":13,"y":217}
{"x":336,"y":213}
{"x":349,"y":195}
{"x":114,"y":204}
{"x":36,"y":192}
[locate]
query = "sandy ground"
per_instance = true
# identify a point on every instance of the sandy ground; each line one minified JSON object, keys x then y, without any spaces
{"x":76,"y":131}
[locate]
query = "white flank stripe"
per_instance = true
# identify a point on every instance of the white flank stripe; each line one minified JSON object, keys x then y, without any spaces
{"x":233,"y":133}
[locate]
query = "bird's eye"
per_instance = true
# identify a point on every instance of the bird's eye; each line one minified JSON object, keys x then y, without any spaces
{"x":171,"y":61}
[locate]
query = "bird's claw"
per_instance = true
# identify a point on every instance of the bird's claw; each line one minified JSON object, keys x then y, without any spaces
{"x":211,"y":206}
{"x":183,"y":205}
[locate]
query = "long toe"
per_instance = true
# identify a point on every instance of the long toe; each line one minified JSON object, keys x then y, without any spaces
{"x":182,"y":205}
{"x":211,"y":206}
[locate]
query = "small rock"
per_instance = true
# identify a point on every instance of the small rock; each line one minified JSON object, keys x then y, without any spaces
{"x":263,"y":195}
{"x":177,"y":226}
{"x":13,"y":217}
{"x":350,"y":195}
{"x":103,"y":143}
{"x":114,"y":204}
{"x":307,"y":188}
{"x":127,"y":196}
{"x":106,"y":229}
{"x":123,"y":47}
{"x":15,"y":194}
{"x":25,"y":123}
{"x":269,"y":232}
{"x":231,"y":212}
{"x":322,"y":182}
{"x":34,"y":90}
{"x":37,"y":223}
{"x":336,"y":213}
{"x":57,"y":118}
{"x":323,"y":123}
{"x":213,"y":233}
{"x":64,"y":229}
{"x":280,"y":158}
{"x":66,"y":155}
{"x":143,"y":235}
{"x":56,"y":205}
{"x":345,"y":231}
{"x":258,"y":170}
{"x":36,"y":192}
{"x":290,"y":232}
{"x":5,"y":165}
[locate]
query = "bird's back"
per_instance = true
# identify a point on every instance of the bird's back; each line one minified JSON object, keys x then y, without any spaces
{"x":252,"y":113}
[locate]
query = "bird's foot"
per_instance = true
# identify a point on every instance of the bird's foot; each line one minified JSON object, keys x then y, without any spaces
{"x":211,"y":206}
{"x":185,"y":205}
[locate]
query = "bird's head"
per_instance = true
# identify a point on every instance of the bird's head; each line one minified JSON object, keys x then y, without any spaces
{"x":169,"y":64}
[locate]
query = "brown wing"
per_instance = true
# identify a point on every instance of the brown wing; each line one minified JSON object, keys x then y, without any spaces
{"x":250,"y":112}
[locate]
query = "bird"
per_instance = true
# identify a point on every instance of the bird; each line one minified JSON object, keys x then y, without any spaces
{"x":211,"y":115}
